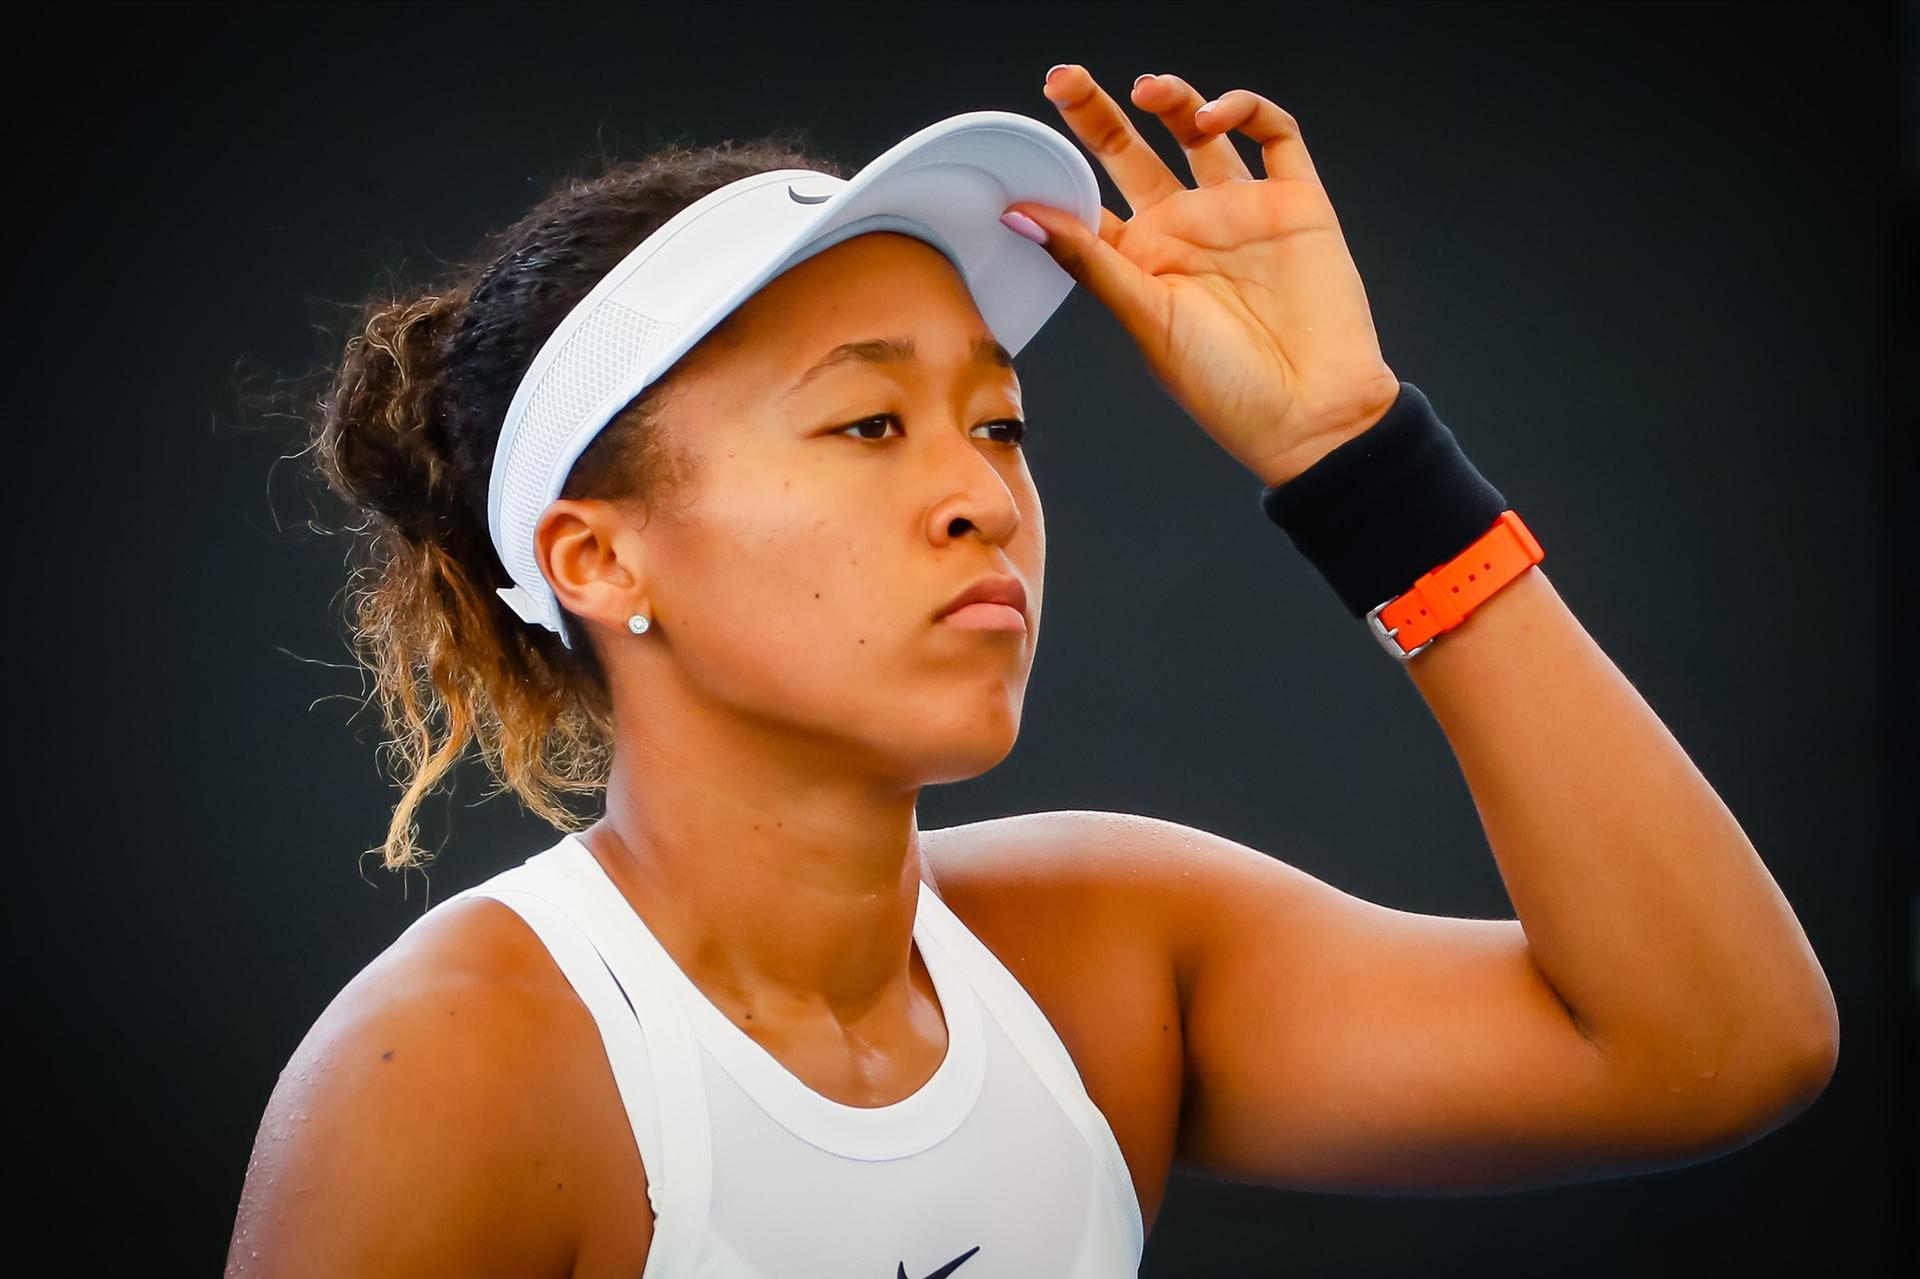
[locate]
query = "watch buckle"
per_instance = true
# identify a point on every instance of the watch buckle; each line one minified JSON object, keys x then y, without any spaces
{"x":1385,"y":634}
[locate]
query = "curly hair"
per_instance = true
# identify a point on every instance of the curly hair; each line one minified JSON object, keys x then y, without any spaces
{"x":404,"y":434}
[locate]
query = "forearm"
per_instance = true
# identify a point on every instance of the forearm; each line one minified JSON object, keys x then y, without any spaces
{"x":1643,"y":902}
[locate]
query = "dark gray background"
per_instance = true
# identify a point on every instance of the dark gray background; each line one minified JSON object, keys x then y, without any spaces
{"x":1647,"y":261}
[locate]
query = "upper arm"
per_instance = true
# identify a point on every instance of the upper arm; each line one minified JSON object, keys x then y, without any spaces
{"x":405,"y":1135}
{"x":1334,"y":1044}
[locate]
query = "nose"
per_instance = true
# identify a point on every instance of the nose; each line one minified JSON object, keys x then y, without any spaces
{"x":972,"y":493}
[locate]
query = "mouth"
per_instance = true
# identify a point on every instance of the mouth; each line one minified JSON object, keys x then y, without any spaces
{"x":986,"y":617}
{"x":995,"y":603}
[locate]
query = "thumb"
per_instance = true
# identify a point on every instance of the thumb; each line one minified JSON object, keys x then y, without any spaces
{"x":1136,"y":299}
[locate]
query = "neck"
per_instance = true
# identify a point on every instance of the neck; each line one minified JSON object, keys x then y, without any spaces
{"x":775,"y":874}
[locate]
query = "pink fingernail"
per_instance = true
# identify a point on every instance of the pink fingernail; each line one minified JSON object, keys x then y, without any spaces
{"x":1058,"y":66}
{"x":1019,"y":222}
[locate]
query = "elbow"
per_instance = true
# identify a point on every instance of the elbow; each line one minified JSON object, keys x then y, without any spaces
{"x":1713,"y":1103}
{"x":1813,"y":1052}
{"x":1818,"y":1055}
{"x":1794,"y":1050}
{"x":1816,"y":1048}
{"x":1792,"y":1079}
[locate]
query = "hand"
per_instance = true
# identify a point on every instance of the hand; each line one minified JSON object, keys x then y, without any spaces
{"x":1240,"y":292}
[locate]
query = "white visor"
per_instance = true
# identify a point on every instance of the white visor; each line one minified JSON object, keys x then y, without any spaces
{"x":947,"y":185}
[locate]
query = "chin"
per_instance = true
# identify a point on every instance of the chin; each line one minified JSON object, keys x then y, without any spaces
{"x":965,"y":748}
{"x":957,"y":768}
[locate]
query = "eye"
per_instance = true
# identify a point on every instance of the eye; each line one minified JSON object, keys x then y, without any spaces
{"x":866,"y":421}
{"x":1017,"y":426}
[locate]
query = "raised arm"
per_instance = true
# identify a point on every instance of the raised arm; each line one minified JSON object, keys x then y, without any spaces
{"x":1655,"y":1003}
{"x":1655,"y":1000}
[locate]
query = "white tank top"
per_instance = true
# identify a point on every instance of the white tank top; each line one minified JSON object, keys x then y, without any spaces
{"x":999,"y":1167}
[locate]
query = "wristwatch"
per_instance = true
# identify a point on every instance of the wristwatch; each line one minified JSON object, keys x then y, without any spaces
{"x":1439,"y":600}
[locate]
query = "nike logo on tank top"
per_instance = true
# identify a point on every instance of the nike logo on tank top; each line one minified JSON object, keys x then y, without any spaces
{"x":998,"y":1167}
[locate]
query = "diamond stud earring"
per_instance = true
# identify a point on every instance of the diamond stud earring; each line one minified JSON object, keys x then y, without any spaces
{"x":638,"y":623}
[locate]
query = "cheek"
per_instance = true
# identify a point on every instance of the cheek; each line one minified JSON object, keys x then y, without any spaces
{"x":792,"y":588}
{"x":1028,"y":549}
{"x":790,"y":592}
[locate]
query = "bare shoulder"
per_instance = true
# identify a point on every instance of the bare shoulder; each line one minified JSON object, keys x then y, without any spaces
{"x":1102,"y":872}
{"x":446,"y":1113}
{"x":1074,"y":904}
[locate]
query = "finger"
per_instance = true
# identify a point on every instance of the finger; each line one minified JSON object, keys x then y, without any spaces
{"x":1137,"y":300}
{"x":1210,"y":151}
{"x":1277,"y":132}
{"x":1104,"y":129}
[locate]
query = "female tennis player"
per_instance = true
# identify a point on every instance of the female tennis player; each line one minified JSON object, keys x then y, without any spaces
{"x":703,"y":485}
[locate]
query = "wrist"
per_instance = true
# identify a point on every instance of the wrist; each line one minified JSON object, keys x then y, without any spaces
{"x":1377,"y":510}
{"x":1301,"y":458}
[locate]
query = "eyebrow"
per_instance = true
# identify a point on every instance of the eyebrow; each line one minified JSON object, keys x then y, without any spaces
{"x":895,"y":350}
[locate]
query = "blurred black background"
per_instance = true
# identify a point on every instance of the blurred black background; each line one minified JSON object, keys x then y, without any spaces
{"x":1650,"y":262}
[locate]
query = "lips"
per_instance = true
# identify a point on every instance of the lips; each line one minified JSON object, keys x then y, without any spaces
{"x":996,"y":589}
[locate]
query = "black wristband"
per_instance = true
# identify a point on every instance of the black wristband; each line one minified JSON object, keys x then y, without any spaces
{"x":1386,"y":506}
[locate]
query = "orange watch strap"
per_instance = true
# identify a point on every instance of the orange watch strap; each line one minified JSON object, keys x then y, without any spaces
{"x":1441,"y":598}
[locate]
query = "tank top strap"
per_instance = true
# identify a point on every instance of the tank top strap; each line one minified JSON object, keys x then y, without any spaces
{"x":1026,"y":1025}
{"x":639,"y":1022}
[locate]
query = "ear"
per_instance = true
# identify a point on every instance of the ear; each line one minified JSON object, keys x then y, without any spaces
{"x":593,"y":560}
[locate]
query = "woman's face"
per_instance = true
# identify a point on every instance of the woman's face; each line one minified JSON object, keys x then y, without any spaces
{"x":831,"y":514}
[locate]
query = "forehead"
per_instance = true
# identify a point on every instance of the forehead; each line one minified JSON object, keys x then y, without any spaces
{"x":876,"y":300}
{"x":874,"y":281}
